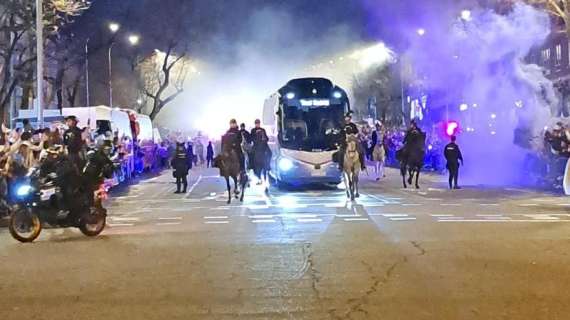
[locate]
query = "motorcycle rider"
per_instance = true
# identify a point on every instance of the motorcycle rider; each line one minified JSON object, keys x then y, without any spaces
{"x":351,"y":129}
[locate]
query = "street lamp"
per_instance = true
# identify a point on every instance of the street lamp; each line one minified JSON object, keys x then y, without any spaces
{"x":466,"y":15}
{"x":114,"y":27}
{"x":133,"y":39}
{"x":421,"y":31}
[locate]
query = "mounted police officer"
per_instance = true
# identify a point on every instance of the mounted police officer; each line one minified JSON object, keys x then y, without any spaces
{"x":232,"y":140}
{"x":350,"y":128}
{"x":261,"y":153}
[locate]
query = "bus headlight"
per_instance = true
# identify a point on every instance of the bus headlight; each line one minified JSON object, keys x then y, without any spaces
{"x":290,"y":95}
{"x":285,"y":164}
{"x":337,"y":95}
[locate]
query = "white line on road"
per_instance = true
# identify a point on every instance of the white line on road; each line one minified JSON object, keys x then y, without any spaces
{"x":171,"y":218}
{"x":216,"y":222}
{"x":489,"y":215}
{"x":263,"y":221}
{"x":347,"y":215}
{"x":120,"y":225}
{"x":393,"y":215}
{"x":450,"y":204}
{"x":124,"y":219}
{"x":475,"y":220}
{"x":261,"y":216}
{"x":442,"y":215}
{"x":433,"y":199}
{"x":403,"y":219}
{"x":355,"y":219}
{"x":309,"y":220}
{"x":168,"y":223}
{"x":411,"y":204}
{"x":215,"y":217}
{"x":528,"y":205}
{"x":193,"y":186}
{"x":488,"y":204}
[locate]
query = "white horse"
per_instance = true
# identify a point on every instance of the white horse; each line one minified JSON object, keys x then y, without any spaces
{"x":351,"y":166}
{"x":379,"y":155}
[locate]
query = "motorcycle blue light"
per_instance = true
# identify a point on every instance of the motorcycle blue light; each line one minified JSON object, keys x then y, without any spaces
{"x":23,"y":190}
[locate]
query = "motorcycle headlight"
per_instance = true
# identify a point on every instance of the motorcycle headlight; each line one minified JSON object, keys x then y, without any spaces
{"x":285,"y":164}
{"x":23,"y":190}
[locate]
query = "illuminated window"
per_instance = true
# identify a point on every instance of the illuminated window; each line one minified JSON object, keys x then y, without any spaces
{"x":558,"y":60}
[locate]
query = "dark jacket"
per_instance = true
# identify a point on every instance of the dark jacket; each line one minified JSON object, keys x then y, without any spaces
{"x":190,"y":155}
{"x":452,"y":154}
{"x":210,"y":152}
{"x":232,"y":141}
{"x":180,"y":162}
{"x":72,"y":138}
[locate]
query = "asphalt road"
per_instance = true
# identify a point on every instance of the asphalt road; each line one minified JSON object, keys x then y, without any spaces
{"x":476,"y":253}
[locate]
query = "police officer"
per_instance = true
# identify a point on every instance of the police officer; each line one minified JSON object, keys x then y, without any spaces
{"x":260,"y":142}
{"x":73,"y":140}
{"x":453,"y":156}
{"x":181,"y":165}
{"x":348,"y":129}
{"x":232,"y":141}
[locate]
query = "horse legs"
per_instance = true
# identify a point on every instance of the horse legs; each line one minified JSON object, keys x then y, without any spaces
{"x":243,"y":182}
{"x":236,"y":186}
{"x":403,"y":173}
{"x":411,"y":172}
{"x":417,"y":178}
{"x":356,"y":178}
{"x":346,"y":184}
{"x":229,"y":190}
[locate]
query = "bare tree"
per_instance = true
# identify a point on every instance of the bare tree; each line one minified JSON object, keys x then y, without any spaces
{"x":161,"y":77}
{"x":557,"y":8}
{"x":17,"y":40}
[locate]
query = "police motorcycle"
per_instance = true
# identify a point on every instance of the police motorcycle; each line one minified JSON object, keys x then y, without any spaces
{"x":42,"y":198}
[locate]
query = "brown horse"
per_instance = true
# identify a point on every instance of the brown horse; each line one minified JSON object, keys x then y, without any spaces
{"x":229,"y":164}
{"x":351,"y":166}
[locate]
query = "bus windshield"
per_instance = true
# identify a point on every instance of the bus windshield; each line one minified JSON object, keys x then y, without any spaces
{"x":311,"y":129}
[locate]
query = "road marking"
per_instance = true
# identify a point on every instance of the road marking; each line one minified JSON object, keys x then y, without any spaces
{"x":168,"y":223}
{"x":563,"y":204}
{"x":347,"y":215}
{"x":528,"y":205}
{"x":170,"y":218}
{"x":450,"y":204}
{"x":411,"y":204}
{"x":433,"y":199}
{"x":394,"y":215}
{"x":193,"y":186}
{"x":261,"y":216}
{"x":489,"y":215}
{"x":403,"y":219}
{"x":355,"y":219}
{"x":299,"y":216}
{"x":124,"y":219}
{"x":442,"y":215}
{"x":488,"y":204}
{"x":532,"y":221}
{"x":120,"y":225}
{"x":215,"y":217}
{"x":216,"y":222}
{"x":309,"y":220}
{"x":263,"y":221}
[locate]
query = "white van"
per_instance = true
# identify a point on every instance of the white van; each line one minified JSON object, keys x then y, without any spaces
{"x":101,"y":119}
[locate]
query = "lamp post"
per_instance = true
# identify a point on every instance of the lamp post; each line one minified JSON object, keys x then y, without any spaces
{"x":87,"y":102}
{"x":113,"y":27}
{"x":40,"y":61}
{"x":133,"y":40}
